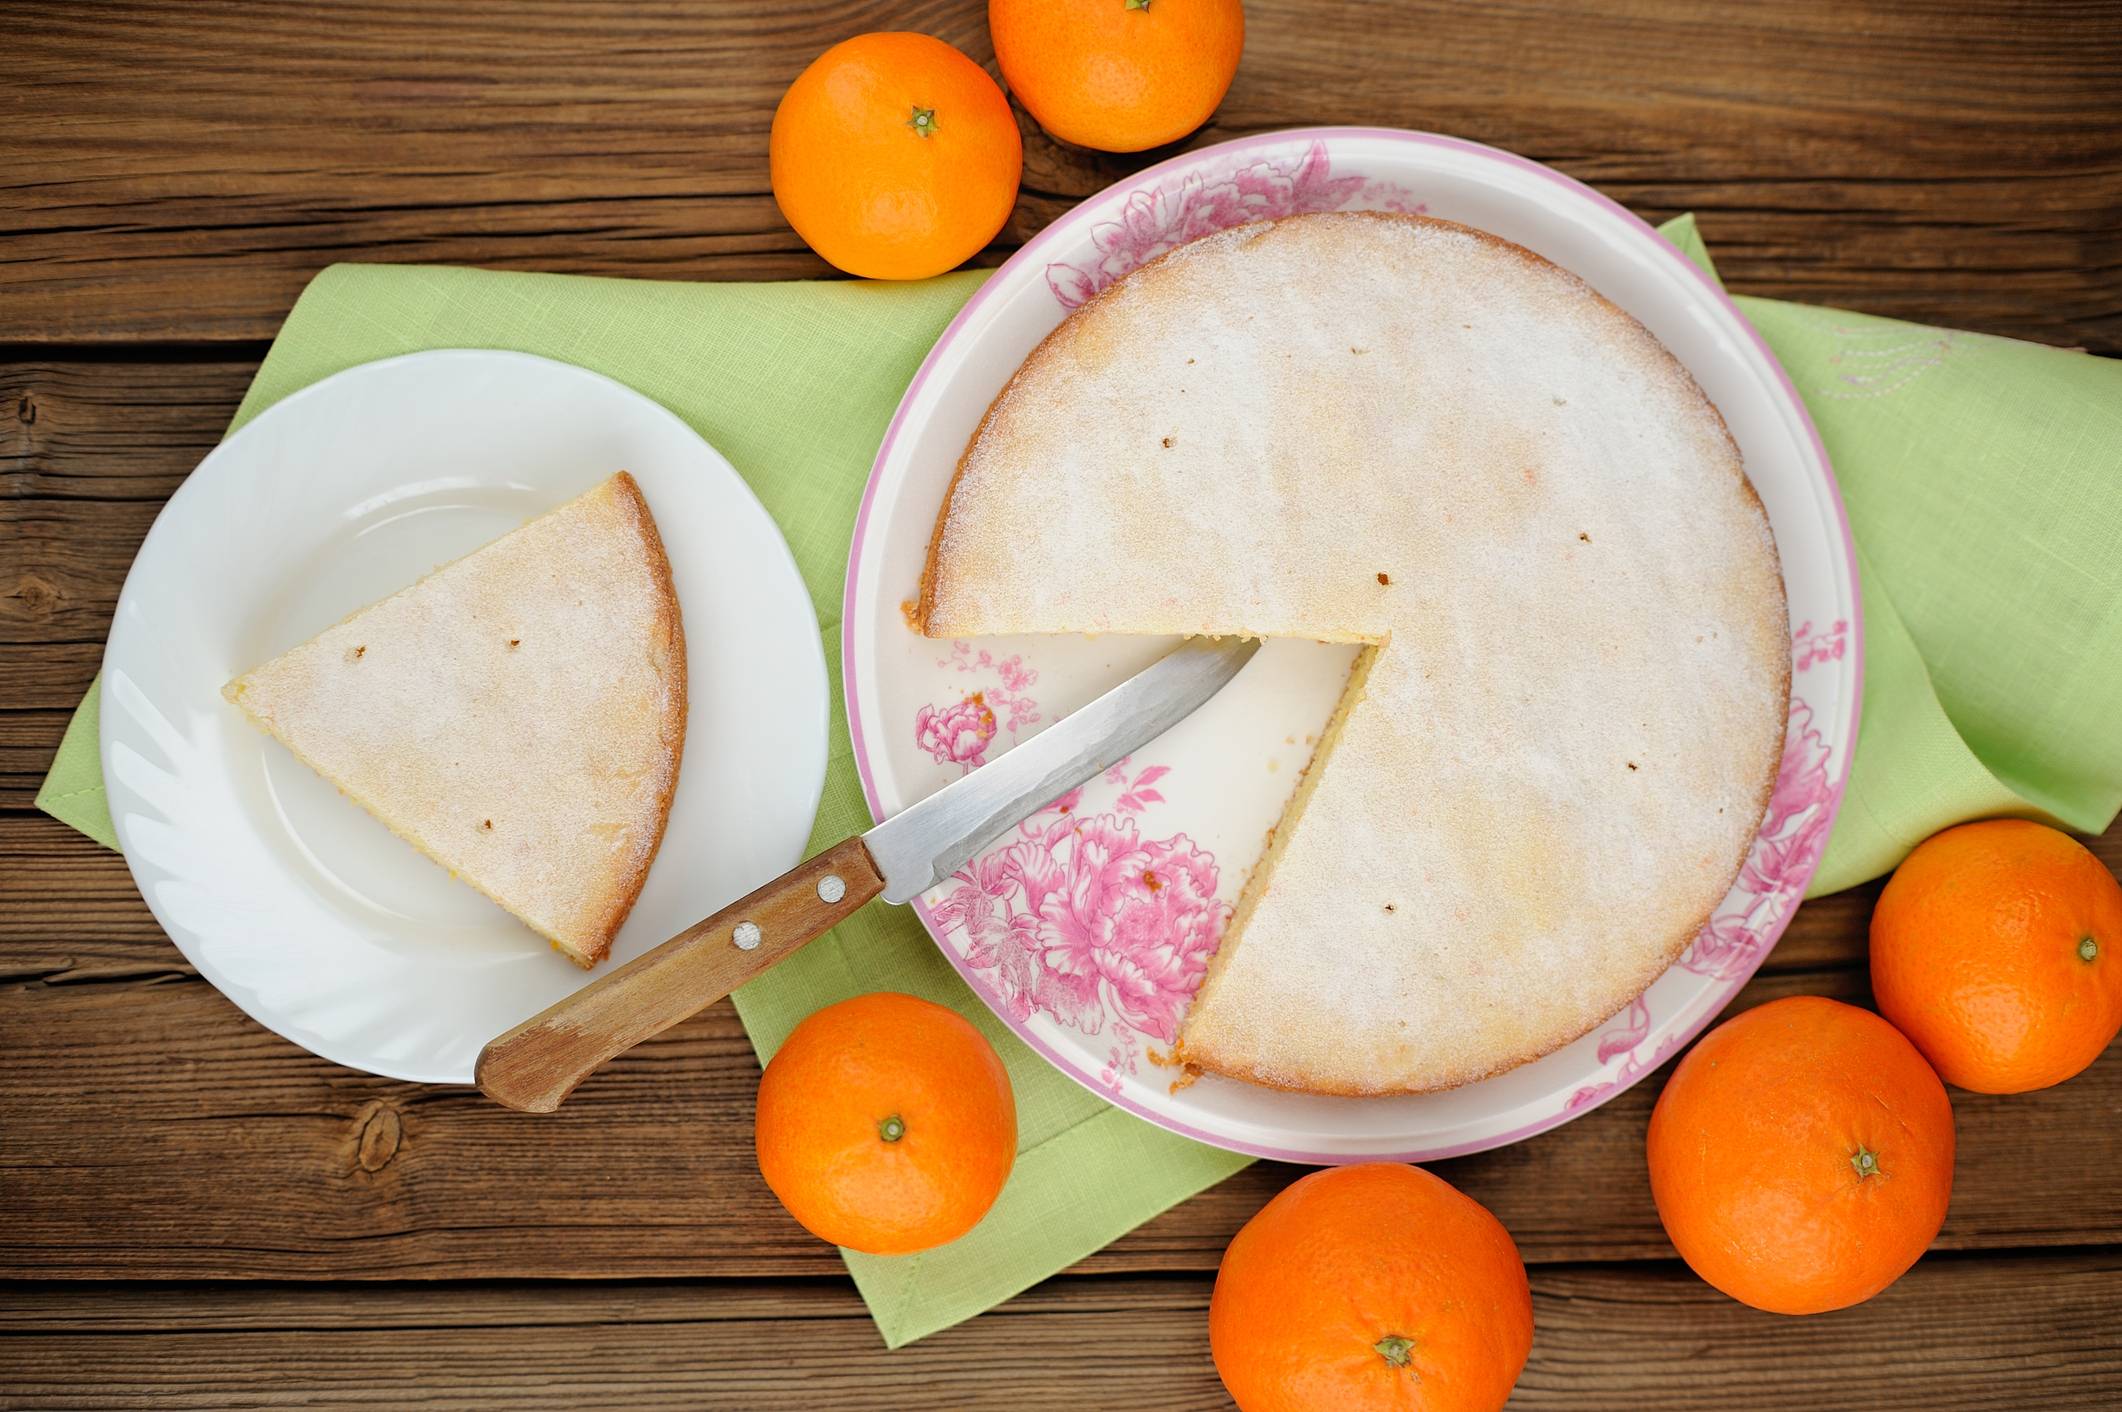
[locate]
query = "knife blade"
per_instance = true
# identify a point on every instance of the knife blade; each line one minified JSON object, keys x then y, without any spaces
{"x":922,"y":845}
{"x":538,"y":1063}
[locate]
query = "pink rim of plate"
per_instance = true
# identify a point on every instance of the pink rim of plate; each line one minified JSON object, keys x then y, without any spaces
{"x":1068,"y":224}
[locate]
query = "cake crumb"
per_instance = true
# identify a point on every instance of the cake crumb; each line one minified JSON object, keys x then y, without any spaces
{"x":1385,"y":578}
{"x":910,"y":611}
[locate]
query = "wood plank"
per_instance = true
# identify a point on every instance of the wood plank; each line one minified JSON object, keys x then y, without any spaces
{"x":56,"y":583}
{"x":89,"y":450}
{"x":55,"y":873}
{"x":149,"y":1079}
{"x":125,"y":427}
{"x":28,"y":740}
{"x":49,"y":676}
{"x":1604,"y":1338}
{"x":177,"y":172}
{"x":69,"y":910}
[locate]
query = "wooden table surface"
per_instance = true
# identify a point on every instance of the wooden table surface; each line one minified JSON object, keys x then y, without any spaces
{"x":193,"y":1213}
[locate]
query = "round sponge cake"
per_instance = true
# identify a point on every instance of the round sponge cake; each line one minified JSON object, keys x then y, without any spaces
{"x":1561,"y":737}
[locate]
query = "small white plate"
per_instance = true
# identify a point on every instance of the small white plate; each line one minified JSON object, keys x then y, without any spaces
{"x":298,"y":905}
{"x":1097,"y":985}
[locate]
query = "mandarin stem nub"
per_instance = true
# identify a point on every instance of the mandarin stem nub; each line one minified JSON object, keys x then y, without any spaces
{"x":1394,"y":1349}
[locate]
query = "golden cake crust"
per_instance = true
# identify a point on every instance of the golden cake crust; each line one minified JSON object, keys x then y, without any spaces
{"x":1391,"y":430}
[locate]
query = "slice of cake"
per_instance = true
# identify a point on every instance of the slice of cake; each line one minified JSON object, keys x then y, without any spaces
{"x":1558,"y":743}
{"x":517,"y":715}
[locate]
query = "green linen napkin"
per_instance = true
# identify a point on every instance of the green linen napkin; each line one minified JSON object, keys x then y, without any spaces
{"x":1984,"y":479}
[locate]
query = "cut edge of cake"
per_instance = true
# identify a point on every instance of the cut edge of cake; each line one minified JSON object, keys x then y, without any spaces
{"x":1196,"y":1058}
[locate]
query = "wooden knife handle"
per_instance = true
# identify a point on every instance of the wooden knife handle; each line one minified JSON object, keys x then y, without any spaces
{"x":538,"y":1063}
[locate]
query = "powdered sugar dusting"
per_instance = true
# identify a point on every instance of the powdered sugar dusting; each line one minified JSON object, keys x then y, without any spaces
{"x":1406,"y":432}
{"x":518,"y":715}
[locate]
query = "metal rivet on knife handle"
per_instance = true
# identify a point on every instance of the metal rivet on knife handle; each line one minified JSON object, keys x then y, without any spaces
{"x":746,"y":935}
{"x":831,"y":888}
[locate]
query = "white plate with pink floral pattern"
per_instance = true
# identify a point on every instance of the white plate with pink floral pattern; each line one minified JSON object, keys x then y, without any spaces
{"x":1093,"y":969}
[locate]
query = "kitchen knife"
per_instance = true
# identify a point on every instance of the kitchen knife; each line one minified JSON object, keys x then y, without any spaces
{"x":538,"y":1063}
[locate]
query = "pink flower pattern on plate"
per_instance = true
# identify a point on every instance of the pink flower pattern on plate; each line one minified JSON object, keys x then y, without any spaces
{"x":1084,"y":918}
{"x":959,"y":733}
{"x":1792,"y":838}
{"x":1155,"y":219}
{"x":1623,"y":1043}
{"x":1809,"y":647}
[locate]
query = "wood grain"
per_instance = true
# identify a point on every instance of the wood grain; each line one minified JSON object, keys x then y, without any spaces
{"x":178,"y":171}
{"x":115,"y":426}
{"x":2018,"y":1332}
{"x":267,"y":1162}
{"x":89,"y":450}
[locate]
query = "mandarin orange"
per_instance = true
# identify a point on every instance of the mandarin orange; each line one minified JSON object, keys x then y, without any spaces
{"x":1371,"y":1287}
{"x":1997,"y":949}
{"x":1118,"y":75}
{"x":894,"y":156}
{"x":1801,"y":1156}
{"x":886,"y":1124}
